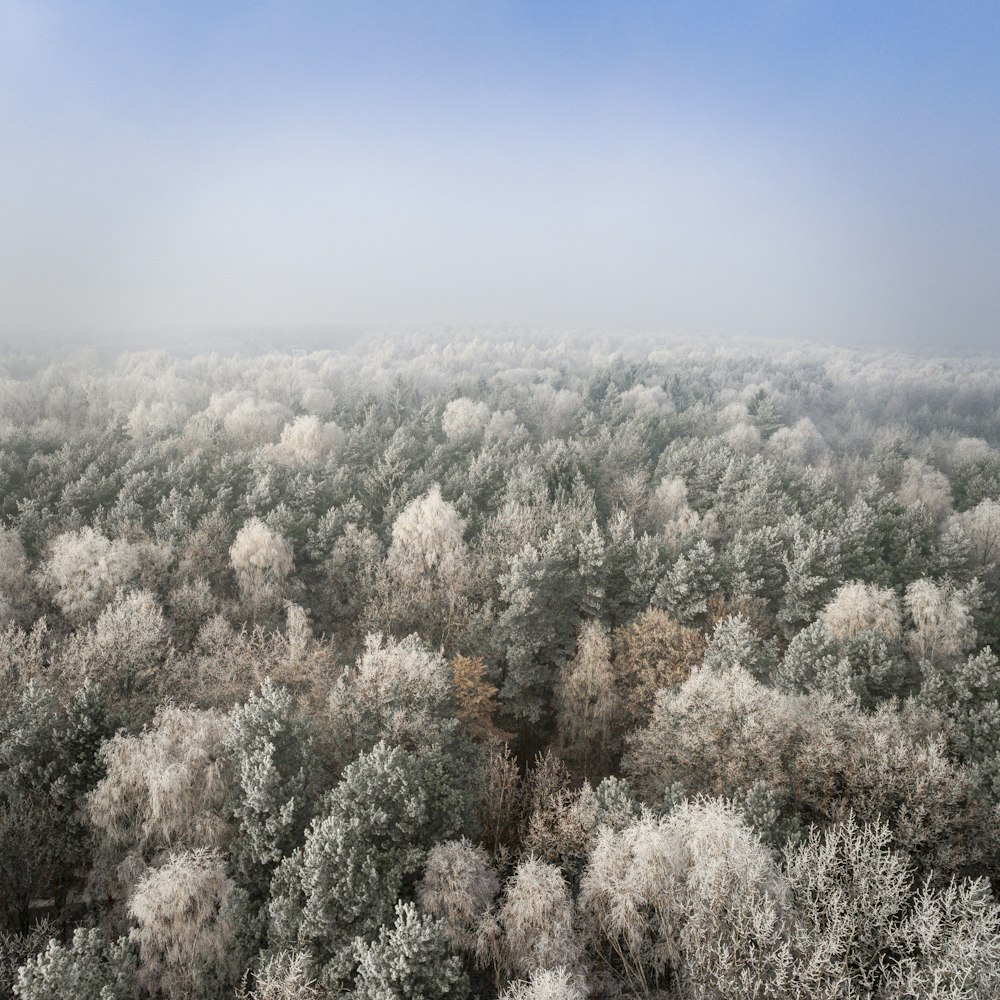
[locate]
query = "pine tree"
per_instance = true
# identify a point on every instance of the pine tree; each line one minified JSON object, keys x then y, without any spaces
{"x":409,"y":961}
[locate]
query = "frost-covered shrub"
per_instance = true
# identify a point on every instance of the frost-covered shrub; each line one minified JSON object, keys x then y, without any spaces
{"x":546,"y":984}
{"x":284,"y":976}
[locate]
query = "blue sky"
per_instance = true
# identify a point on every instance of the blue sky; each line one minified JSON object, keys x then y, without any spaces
{"x":829,"y":171}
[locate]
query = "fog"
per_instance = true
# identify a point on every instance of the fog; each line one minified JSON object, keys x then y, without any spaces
{"x":824,"y":171}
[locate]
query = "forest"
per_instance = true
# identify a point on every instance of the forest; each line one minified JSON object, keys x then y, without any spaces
{"x":508,"y":666}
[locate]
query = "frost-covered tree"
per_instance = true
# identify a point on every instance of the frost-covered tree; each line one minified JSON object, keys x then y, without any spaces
{"x":663,"y":899}
{"x":458,"y":887}
{"x":685,"y":590}
{"x":653,"y":651}
{"x":122,"y":648}
{"x":968,"y":693}
{"x":398,"y":691}
{"x":735,"y":643}
{"x":812,"y":573}
{"x":464,"y":419}
{"x":167,"y":788}
{"x":88,"y":968}
{"x":428,"y":568}
{"x":546,"y":591}
{"x":860,"y":607}
{"x":185,"y":927}
{"x":15,"y":588}
{"x":943,"y":625}
{"x":533,"y":927}
{"x":272,"y":759}
{"x":981,"y":526}
{"x":588,"y":708}
{"x":84,"y":569}
{"x":409,"y":961}
{"x":261,"y":559}
{"x":371,"y":838}
{"x":307,"y":441}
{"x":925,"y":486}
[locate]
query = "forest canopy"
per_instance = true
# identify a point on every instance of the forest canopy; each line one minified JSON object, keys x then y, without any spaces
{"x":497,"y":668}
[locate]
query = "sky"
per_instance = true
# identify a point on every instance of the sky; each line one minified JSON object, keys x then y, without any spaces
{"x":828,"y":171}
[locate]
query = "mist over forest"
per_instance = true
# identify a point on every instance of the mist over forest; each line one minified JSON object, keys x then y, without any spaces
{"x":527,"y":668}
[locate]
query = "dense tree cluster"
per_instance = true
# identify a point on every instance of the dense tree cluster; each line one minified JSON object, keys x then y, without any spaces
{"x":481,"y":669}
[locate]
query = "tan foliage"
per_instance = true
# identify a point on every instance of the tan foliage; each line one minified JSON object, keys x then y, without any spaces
{"x":475,"y":698}
{"x":653,"y":651}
